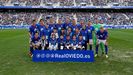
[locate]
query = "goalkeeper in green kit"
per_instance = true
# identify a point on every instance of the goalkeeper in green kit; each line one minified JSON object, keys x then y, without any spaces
{"x":97,"y":26}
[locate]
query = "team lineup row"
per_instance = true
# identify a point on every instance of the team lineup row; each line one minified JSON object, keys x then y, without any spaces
{"x":67,"y":36}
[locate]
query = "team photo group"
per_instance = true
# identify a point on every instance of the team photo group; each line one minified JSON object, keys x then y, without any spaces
{"x":68,"y":34}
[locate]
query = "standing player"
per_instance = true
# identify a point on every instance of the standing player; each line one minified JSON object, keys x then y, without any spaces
{"x":81,"y":25}
{"x":41,"y":27}
{"x":59,"y":25}
{"x":90,"y":30}
{"x":47,"y":32}
{"x":32,"y":31}
{"x":102,"y":36}
{"x":97,"y":26}
{"x":67,"y":23}
{"x":102,"y":23}
{"x":84,"y":32}
{"x":51,"y":24}
{"x":74,"y":25}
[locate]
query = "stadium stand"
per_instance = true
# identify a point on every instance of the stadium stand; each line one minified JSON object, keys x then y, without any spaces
{"x":66,"y":2}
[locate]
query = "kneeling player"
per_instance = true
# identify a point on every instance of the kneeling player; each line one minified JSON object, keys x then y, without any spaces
{"x":102,"y":36}
{"x":68,"y":42}
{"x":61,"y":42}
{"x":53,"y":44}
{"x":81,"y":43}
{"x":35,"y":41}
{"x":55,"y":32}
{"x":74,"y":43}
{"x":44,"y":43}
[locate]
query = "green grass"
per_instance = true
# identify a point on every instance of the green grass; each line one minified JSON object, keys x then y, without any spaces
{"x":14,"y":59}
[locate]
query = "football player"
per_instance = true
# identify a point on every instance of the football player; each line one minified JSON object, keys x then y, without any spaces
{"x":68,"y":43}
{"x":74,"y":43}
{"x":44,"y":43}
{"x":59,"y":25}
{"x":61,"y":42}
{"x":41,"y":27}
{"x":55,"y":32}
{"x":69,"y":32}
{"x":67,"y":23}
{"x":51,"y":24}
{"x":81,"y":25}
{"x":90,"y":30}
{"x":84,"y":34}
{"x":53,"y":43}
{"x":81,"y":43}
{"x":74,"y":25}
{"x":97,"y":26}
{"x":32,"y":31}
{"x":102,"y":36}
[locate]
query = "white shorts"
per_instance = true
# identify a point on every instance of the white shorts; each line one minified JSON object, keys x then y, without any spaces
{"x":84,"y":38}
{"x":53,"y":47}
{"x":90,"y":41}
{"x":38,"y":43}
{"x":101,"y":41}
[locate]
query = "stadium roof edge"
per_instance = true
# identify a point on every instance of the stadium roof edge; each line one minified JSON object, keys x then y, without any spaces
{"x":66,"y":7}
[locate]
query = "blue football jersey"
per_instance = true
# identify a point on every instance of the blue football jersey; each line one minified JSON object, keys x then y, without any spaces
{"x":77,"y":34}
{"x":84,"y":33}
{"x":61,"y":41}
{"x":33,"y":30}
{"x":70,"y":34}
{"x":47,"y":33}
{"x":66,"y":25}
{"x":52,"y":26}
{"x":102,"y":35}
{"x":68,"y":42}
{"x":81,"y":42}
{"x":89,"y":31}
{"x":35,"y":40}
{"x":41,"y":29}
{"x":80,"y":26}
{"x":59,"y":26}
{"x":73,"y":27}
{"x":74,"y":42}
{"x":53,"y":41}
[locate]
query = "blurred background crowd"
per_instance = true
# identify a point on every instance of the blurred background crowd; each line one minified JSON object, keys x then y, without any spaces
{"x":66,"y":2}
{"x":25,"y":18}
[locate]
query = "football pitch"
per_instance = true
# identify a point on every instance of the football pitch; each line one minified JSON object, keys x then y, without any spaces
{"x":14,"y":46}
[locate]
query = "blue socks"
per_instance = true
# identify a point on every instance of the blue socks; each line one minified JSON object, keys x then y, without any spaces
{"x":90,"y":47}
{"x":97,"y":49}
{"x":106,"y":49}
{"x":31,"y":50}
